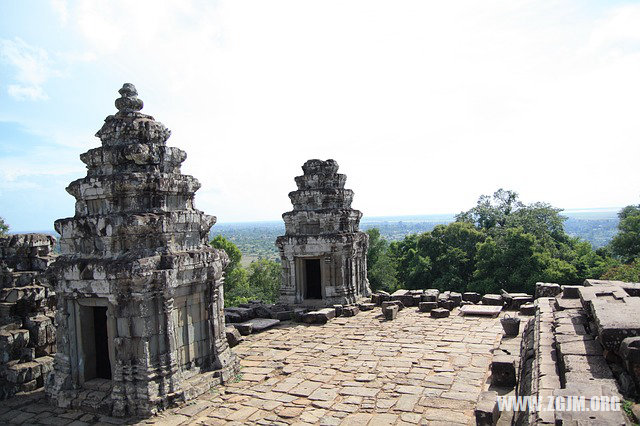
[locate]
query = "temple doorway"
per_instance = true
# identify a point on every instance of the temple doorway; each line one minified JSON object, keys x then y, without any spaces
{"x":313,"y":279}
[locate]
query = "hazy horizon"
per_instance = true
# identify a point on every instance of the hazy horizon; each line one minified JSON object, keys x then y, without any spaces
{"x":424,"y":105}
{"x":609,"y":212}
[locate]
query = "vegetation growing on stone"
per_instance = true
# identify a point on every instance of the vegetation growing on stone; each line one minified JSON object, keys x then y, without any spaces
{"x":4,"y":228}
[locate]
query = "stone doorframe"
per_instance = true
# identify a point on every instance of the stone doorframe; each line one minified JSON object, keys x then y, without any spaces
{"x":301,"y":277}
{"x":79,"y":310}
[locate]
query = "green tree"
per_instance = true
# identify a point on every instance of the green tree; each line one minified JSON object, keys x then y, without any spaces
{"x":626,"y":243}
{"x":626,"y":272}
{"x":513,"y":263}
{"x":236,"y":281}
{"x":4,"y":228}
{"x":234,"y":253}
{"x":381,"y":268}
{"x":492,"y":212}
{"x":236,"y":287}
{"x":451,"y":250}
{"x":264,"y":280}
{"x":413,"y":268}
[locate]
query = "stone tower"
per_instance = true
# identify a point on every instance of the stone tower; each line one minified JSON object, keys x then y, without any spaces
{"x":140,"y":300}
{"x":324,"y":255}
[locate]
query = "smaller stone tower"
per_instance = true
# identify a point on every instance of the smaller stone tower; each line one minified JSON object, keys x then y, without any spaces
{"x":324,"y":255}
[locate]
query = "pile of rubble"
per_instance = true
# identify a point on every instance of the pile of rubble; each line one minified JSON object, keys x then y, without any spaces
{"x":582,"y":344}
{"x":27,"y":302}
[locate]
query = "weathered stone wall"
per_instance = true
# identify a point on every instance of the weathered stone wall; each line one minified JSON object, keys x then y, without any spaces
{"x":137,"y":252}
{"x":27,"y":300}
{"x":324,"y":227}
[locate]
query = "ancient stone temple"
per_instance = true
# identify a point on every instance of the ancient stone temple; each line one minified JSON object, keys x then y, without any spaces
{"x":324,"y":255}
{"x":139,"y":289}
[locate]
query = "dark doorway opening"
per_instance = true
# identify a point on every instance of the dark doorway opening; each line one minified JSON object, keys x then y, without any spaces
{"x":313,"y":278}
{"x":103,"y":365}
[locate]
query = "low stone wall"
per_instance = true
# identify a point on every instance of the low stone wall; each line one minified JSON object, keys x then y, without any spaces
{"x":27,"y":301}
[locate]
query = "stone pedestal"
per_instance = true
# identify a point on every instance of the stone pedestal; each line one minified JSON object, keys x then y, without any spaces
{"x":140,"y":300}
{"x":323,"y":252}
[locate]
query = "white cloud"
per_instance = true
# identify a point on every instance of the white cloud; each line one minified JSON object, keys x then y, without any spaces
{"x":21,"y":93}
{"x":425,"y":105}
{"x":31,"y":66}
{"x":61,"y":9}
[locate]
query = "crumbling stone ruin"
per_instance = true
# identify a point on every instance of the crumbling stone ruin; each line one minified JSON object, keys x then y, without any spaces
{"x":581,"y":343}
{"x":139,"y":292}
{"x":27,"y":301}
{"x":323,"y":252}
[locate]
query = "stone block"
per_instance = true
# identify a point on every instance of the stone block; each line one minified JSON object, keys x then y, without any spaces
{"x":261,"y":324}
{"x":366,"y":306}
{"x":284,"y":315}
{"x":503,"y":371}
{"x":492,"y":299}
{"x":547,"y":290}
{"x":616,"y":321}
{"x":456,"y":298}
{"x":482,"y":310}
{"x":528,"y":309}
{"x":577,"y":417}
{"x":440,"y":313}
{"x":427,"y":306}
{"x":518,"y":301}
{"x":338,"y":309}
{"x":233,"y":336}
{"x":447,"y":304}
{"x":393,"y":302}
{"x":350,"y":311}
{"x":321,"y":316}
{"x":390,"y":312}
{"x":630,"y":349}
{"x":471,"y":296}
{"x":571,"y":291}
{"x":244,"y":328}
{"x":486,"y":411}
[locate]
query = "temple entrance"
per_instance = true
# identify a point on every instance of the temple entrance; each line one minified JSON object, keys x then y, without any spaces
{"x":103,"y":365}
{"x":313,"y":281}
{"x":94,"y":348}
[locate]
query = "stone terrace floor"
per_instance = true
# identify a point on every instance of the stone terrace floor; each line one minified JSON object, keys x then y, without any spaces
{"x":352,"y":371}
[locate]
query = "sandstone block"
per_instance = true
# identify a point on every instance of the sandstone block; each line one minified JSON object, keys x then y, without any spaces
{"x":471,"y":296}
{"x":350,"y":311}
{"x":390,"y":312}
{"x":492,"y":299}
{"x":503,"y":371}
{"x":486,"y":411}
{"x":440,"y":313}
{"x":427,"y":306}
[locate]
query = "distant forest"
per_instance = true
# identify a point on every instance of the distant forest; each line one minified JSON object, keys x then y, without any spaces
{"x":256,"y":240}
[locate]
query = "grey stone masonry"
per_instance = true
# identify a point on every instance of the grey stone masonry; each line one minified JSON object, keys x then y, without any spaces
{"x":27,"y":302}
{"x":323,"y":252}
{"x":140,"y":300}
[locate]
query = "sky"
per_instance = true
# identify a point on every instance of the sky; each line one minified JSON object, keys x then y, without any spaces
{"x":424,"y":105}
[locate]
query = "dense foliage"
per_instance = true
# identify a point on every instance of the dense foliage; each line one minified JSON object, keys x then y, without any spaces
{"x":4,"y":228}
{"x":501,"y":243}
{"x":259,"y":281}
{"x":381,"y":269}
{"x":625,"y":247}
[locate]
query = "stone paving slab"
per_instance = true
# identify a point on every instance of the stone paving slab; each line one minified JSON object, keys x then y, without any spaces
{"x":352,"y":371}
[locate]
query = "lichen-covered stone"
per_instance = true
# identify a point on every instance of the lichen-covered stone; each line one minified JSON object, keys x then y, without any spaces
{"x":136,"y":251}
{"x":27,"y":302}
{"x":323,"y":252}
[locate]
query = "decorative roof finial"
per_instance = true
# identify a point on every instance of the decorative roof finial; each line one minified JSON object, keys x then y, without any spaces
{"x":128,"y":100}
